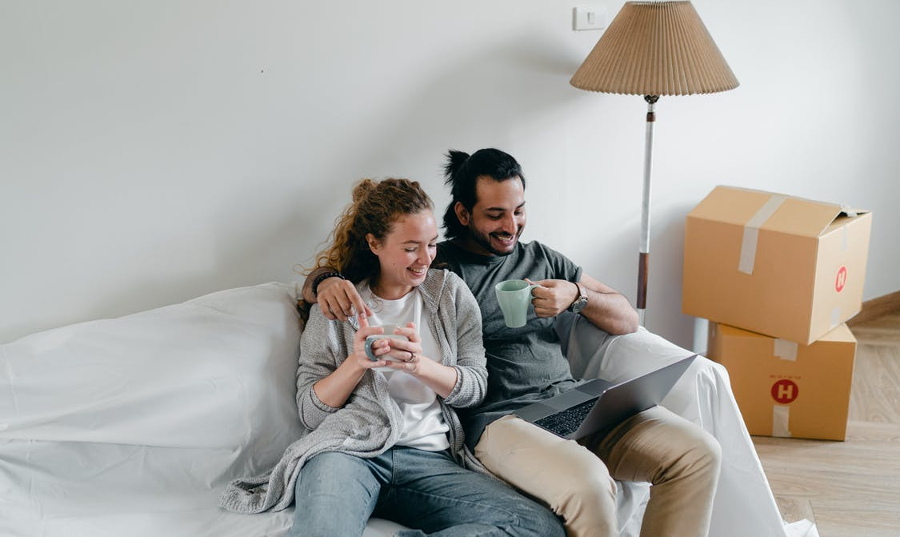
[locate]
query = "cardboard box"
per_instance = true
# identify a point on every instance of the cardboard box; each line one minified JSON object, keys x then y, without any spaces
{"x":787,"y":389}
{"x":782,"y":266}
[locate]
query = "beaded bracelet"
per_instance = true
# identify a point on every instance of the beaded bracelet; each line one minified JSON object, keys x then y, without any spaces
{"x":322,"y":277}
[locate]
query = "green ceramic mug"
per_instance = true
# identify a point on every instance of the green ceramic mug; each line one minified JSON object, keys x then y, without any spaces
{"x":514,"y":297}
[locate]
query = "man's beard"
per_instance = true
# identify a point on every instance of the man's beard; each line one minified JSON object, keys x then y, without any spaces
{"x":484,"y":240}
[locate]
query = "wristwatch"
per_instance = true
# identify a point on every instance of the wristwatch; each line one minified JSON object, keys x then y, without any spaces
{"x":581,"y":301}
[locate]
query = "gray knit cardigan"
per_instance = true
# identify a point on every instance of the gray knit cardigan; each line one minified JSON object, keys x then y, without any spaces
{"x":369,"y":423}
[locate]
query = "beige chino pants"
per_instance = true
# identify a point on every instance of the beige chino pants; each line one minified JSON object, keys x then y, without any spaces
{"x":577,"y":480}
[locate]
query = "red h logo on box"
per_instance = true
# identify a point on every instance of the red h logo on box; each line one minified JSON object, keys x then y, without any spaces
{"x":785,"y":391}
{"x":841,"y":279}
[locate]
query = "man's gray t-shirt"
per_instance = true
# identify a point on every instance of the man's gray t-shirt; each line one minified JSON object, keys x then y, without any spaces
{"x":524,"y":364}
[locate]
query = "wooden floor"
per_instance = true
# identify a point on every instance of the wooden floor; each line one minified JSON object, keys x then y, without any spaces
{"x":852,"y":488}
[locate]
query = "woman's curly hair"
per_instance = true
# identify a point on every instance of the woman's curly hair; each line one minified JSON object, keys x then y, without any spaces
{"x":374,"y":208}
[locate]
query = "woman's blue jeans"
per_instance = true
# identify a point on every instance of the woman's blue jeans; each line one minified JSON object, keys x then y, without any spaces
{"x":336,"y":494}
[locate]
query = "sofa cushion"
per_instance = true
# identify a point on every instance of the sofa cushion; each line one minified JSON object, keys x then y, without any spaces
{"x":146,"y":414}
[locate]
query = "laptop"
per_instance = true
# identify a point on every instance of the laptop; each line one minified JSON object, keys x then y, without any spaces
{"x":599,"y":405}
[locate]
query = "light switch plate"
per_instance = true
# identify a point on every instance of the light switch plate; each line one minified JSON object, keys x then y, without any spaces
{"x":588,"y":18}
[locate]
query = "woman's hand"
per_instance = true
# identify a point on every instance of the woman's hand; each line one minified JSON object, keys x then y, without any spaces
{"x":406,"y":354}
{"x":432,"y":373}
{"x":358,"y":358}
{"x":336,"y":388}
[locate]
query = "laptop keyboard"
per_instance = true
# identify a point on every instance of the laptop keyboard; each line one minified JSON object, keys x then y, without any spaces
{"x":566,"y":422}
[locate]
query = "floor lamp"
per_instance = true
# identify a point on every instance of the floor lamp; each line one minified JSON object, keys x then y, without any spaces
{"x":654,"y":49}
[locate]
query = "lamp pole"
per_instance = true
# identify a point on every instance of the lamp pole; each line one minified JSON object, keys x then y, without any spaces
{"x":644,"y":250}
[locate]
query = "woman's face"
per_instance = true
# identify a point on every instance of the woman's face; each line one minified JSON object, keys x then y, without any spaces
{"x":404,"y":254}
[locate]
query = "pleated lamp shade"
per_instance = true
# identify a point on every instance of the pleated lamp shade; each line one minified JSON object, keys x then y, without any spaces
{"x":655,"y":48}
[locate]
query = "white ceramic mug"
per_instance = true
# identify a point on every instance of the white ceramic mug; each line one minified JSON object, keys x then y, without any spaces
{"x":388,"y":332}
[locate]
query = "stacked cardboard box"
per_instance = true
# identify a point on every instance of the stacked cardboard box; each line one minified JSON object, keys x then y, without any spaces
{"x":778,"y":276}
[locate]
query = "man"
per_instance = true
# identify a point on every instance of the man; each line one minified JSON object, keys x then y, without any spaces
{"x":483,"y":223}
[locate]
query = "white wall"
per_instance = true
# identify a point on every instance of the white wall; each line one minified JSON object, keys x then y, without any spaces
{"x":152,"y":151}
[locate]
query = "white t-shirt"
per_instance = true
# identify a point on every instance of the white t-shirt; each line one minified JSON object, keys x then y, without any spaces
{"x":423,"y":424}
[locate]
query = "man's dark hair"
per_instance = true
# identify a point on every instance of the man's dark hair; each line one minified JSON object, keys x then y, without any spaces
{"x":461,"y":174}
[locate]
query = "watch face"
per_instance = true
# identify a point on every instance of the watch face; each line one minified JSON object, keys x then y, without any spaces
{"x":581,"y":301}
{"x":579,"y":304}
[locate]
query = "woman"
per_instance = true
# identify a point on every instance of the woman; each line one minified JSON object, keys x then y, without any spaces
{"x":382,"y":436}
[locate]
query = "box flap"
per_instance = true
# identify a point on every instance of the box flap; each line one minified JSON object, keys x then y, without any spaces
{"x":730,"y":205}
{"x":799,"y":216}
{"x":768,"y":211}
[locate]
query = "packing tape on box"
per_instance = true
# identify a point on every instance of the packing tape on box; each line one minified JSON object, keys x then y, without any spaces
{"x":836,"y":318}
{"x":786,"y":350}
{"x":751,"y":232}
{"x":781,"y":418}
{"x":849,"y":211}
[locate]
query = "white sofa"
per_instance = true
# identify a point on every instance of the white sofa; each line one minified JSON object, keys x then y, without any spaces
{"x":132,"y":426}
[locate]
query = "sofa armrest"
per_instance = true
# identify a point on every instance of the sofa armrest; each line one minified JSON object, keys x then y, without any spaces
{"x":594,"y":353}
{"x":744,"y":504}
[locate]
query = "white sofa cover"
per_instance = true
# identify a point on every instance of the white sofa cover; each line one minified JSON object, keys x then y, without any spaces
{"x":132,"y":426}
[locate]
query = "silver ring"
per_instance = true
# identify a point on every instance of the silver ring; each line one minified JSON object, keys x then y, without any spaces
{"x":412,"y":356}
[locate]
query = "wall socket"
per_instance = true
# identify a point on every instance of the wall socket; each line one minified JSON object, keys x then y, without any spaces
{"x":588,"y":18}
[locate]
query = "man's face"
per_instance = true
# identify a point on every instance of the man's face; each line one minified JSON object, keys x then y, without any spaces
{"x":498,"y":217}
